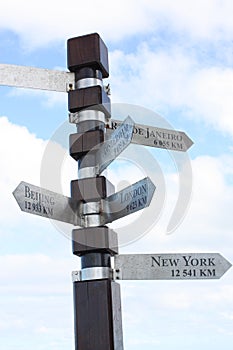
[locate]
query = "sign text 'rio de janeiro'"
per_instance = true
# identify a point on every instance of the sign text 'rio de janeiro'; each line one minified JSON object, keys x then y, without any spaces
{"x":156,"y":137}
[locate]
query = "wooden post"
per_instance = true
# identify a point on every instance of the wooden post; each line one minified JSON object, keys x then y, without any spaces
{"x":97,"y":304}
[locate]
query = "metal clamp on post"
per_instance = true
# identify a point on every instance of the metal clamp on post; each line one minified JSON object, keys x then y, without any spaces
{"x":87,"y":82}
{"x":88,"y":172}
{"x":91,"y":213}
{"x":76,"y":276}
{"x":93,"y":220}
{"x":92,"y":273}
{"x":87,"y":115}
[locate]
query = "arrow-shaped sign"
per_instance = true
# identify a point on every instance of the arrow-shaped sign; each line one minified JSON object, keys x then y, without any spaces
{"x":184,"y":266}
{"x":116,"y":144}
{"x":131,"y":199}
{"x":39,"y":201}
{"x":156,"y":137}
{"x":36,"y":78}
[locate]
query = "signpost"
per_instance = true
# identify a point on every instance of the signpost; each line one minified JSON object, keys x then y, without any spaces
{"x":97,"y":304}
{"x":39,"y":201}
{"x":184,"y":266}
{"x":156,"y":137}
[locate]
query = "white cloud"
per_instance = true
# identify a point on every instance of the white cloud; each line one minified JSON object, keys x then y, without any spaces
{"x":163,"y":81}
{"x":36,"y":301}
{"x":166,"y":79}
{"x":27,"y":279}
{"x":174,"y":79}
{"x":17,"y":153}
{"x":49,"y":99}
{"x":207,"y":224}
{"x":202,"y":19}
{"x":212,"y":97}
{"x":20,"y":154}
{"x":39,"y":23}
{"x":160,"y":79}
{"x":185,"y":308}
{"x":35,"y":275}
{"x":208,"y":214}
{"x":43,"y":22}
{"x":36,"y":289}
{"x":209,"y":218}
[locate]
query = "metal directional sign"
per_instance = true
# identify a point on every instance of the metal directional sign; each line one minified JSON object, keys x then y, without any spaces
{"x":36,"y":78}
{"x":116,"y":144}
{"x":131,"y":199}
{"x":156,"y":137}
{"x":185,"y":266}
{"x":39,"y":201}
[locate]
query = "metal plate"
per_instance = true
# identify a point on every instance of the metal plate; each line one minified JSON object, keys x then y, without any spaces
{"x":185,"y":266}
{"x":39,"y":201}
{"x":118,"y":141}
{"x":94,"y":273}
{"x":156,"y":137}
{"x":36,"y":78}
{"x":131,"y":199}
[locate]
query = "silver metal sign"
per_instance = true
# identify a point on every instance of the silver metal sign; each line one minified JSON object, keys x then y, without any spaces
{"x":116,"y":144}
{"x":185,"y":266}
{"x":131,"y":199}
{"x":36,"y":78}
{"x":39,"y":201}
{"x":156,"y":137}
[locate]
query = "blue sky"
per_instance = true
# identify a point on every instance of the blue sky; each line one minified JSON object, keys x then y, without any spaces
{"x":172,"y":58}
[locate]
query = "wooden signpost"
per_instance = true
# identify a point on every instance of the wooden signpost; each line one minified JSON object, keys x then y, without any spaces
{"x":93,"y":202}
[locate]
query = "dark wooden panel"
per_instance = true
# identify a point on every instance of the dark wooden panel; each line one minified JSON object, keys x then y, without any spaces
{"x":96,"y":259}
{"x":89,"y":125}
{"x":93,"y":188}
{"x":88,"y":97}
{"x":93,"y":239}
{"x":81,"y":321}
{"x":93,"y":315}
{"x":76,"y":145}
{"x":80,"y":144}
{"x":87,"y":51}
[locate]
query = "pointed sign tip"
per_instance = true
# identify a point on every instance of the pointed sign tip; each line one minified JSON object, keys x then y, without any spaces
{"x":151,"y":189}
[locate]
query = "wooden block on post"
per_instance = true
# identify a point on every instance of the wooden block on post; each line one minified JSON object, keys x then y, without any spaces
{"x":93,"y":96}
{"x":88,"y":51}
{"x":81,"y":144}
{"x":91,"y":189}
{"x":92,"y":239}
